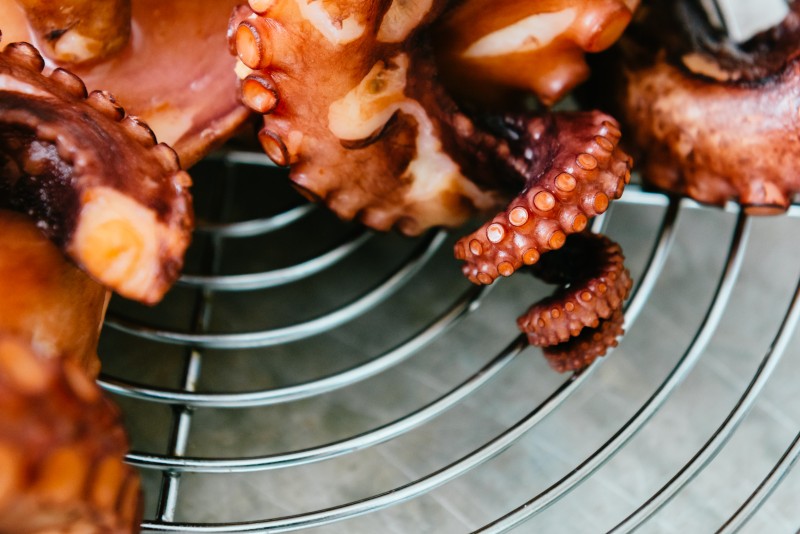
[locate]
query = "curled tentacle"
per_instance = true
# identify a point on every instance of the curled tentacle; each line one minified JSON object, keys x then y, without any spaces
{"x":385,"y":142}
{"x":590,"y":344}
{"x":571,"y":324}
{"x":572,"y":168}
{"x":95,"y":180}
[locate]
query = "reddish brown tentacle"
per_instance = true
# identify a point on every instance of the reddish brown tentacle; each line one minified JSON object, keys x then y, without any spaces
{"x":380,"y":142}
{"x":61,"y":450}
{"x":595,"y":283}
{"x":385,"y":142}
{"x":592,"y":343}
{"x":116,"y":203}
{"x":573,"y":180}
{"x":44,"y":299}
{"x":714,"y":120}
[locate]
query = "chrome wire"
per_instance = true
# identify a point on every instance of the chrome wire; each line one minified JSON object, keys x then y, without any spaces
{"x":477,"y":457}
{"x":651,"y":406}
{"x":468,"y":303}
{"x":346,"y":446}
{"x":186,"y":400}
{"x":770,"y":483}
{"x":278,"y":277}
{"x":720,"y":437}
{"x":256,"y":227}
{"x":268,"y":338}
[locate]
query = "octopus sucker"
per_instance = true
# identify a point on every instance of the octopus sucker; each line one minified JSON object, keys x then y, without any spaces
{"x":713,"y":119}
{"x":392,"y":139}
{"x":583,"y":349}
{"x":572,"y":181}
{"x":62,"y":448}
{"x":582,"y":319}
{"x":164,"y":61}
{"x":95,"y":182}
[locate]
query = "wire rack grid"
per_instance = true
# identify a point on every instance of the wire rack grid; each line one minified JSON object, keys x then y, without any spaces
{"x":370,"y":389}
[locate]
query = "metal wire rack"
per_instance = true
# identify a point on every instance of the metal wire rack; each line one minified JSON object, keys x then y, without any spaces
{"x":371,"y":389}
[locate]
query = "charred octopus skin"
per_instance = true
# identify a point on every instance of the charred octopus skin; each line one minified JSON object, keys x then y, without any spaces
{"x":94,"y":179}
{"x":382,"y":139}
{"x":61,"y":449}
{"x":714,"y":120}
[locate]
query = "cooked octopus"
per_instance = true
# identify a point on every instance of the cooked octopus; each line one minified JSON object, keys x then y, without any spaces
{"x":714,"y":120}
{"x":353,"y":102}
{"x":94,"y":178}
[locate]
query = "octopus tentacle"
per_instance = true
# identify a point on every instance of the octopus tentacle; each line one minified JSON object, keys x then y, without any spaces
{"x":385,"y":142}
{"x":378,"y":143}
{"x":172,"y":72}
{"x":44,"y":299}
{"x":713,"y":119}
{"x":95,"y":180}
{"x":582,"y":170}
{"x":592,"y":343}
{"x":61,"y":449}
{"x":79,"y":31}
{"x":593,"y":280}
{"x":536,"y":46}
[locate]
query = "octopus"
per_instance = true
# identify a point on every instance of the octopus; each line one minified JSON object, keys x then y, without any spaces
{"x":62,"y":443}
{"x":94,"y":178}
{"x":372,"y":106}
{"x":50,"y":304}
{"x":165,"y":62}
{"x":100,"y":202}
{"x":61,"y":464}
{"x":105,"y":182}
{"x":713,"y":119}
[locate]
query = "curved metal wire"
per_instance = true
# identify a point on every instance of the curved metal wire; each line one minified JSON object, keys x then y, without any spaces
{"x":468,"y":462}
{"x":185,"y":400}
{"x":266,"y":397}
{"x":267,"y":338}
{"x":256,"y":227}
{"x":277,"y":277}
{"x":720,"y":437}
{"x":346,"y":446}
{"x":651,"y":406}
{"x":764,"y":489}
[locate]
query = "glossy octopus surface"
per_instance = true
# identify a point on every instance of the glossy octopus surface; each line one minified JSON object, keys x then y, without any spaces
{"x":165,"y":62}
{"x":355,"y":101}
{"x":94,"y":178}
{"x":62,"y":446}
{"x":716,"y":120}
